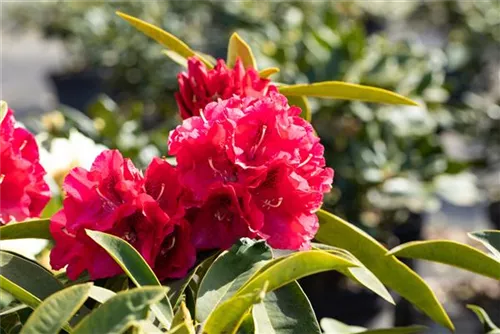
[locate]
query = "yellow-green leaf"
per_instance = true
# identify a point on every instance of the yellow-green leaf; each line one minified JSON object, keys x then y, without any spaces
{"x":177,"y":58}
{"x":490,"y":239}
{"x":32,"y":228}
{"x":303,"y":104}
{"x":388,"y":269}
{"x":239,"y":48}
{"x":451,"y":253}
{"x":229,"y":315}
{"x":488,"y":325}
{"x":183,"y":317}
{"x":3,"y":110}
{"x":346,"y":91}
{"x":56,"y":310}
{"x":121,"y":311}
{"x":267,"y":72}
{"x":284,"y":270}
{"x":135,"y":267}
{"x":164,"y":38}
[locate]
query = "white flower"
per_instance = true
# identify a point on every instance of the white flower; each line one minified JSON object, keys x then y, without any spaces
{"x":67,"y":153}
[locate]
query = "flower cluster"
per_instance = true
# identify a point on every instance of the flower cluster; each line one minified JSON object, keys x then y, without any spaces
{"x":114,"y":197}
{"x":200,"y":86}
{"x":23,"y":191}
{"x":252,"y":168}
{"x":247,"y":166}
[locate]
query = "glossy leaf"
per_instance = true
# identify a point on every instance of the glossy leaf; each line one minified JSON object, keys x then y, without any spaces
{"x":164,"y":38}
{"x":388,"y":269}
{"x":285,"y":311}
{"x":121,"y":311}
{"x":451,"y":253}
{"x":360,"y":274}
{"x":239,"y":48}
{"x":228,"y":273}
{"x":135,"y":267}
{"x":284,"y":270}
{"x":267,"y":72}
{"x":19,"y":293}
{"x":490,"y":239}
{"x":55,"y":311}
{"x":101,"y":295}
{"x":183,"y":317}
{"x":346,"y":91}
{"x":32,"y":228}
{"x":229,"y":315}
{"x":488,"y":325}
{"x":28,"y":275}
{"x":303,"y":104}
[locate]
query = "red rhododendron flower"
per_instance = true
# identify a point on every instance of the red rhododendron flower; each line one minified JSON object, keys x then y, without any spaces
{"x":200,"y":86}
{"x":23,"y":191}
{"x":263,"y":146}
{"x":115,"y":198}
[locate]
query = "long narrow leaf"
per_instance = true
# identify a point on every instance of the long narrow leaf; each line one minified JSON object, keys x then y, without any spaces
{"x":451,"y":253}
{"x":346,"y":91}
{"x":164,"y":38}
{"x":488,"y":325}
{"x":281,"y":271}
{"x":389,"y":270}
{"x":135,"y":267}
{"x":267,"y":72}
{"x":55,"y":311}
{"x":32,"y":228}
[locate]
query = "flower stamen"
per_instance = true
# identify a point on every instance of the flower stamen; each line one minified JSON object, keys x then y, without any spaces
{"x":161,"y":192}
{"x":272,"y":203}
{"x":303,"y":163}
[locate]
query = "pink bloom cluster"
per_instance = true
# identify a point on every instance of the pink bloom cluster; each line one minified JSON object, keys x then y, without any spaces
{"x":200,"y":86}
{"x":114,"y":197}
{"x":251,"y":167}
{"x":247,"y":166}
{"x":23,"y":191}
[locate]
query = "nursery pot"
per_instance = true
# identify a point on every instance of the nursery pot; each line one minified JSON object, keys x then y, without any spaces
{"x":77,"y":89}
{"x":494,"y":214}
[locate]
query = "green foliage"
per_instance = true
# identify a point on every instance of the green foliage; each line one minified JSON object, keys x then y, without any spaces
{"x":393,"y":273}
{"x":488,"y":325}
{"x":239,"y":48}
{"x":490,"y":239}
{"x":332,"y":326}
{"x":50,"y":316}
{"x":452,"y":253}
{"x":121,"y":311}
{"x":346,"y":91}
{"x":135,"y":267}
{"x":32,"y":228}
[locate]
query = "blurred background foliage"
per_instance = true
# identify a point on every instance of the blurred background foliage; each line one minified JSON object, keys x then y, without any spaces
{"x":392,"y":163}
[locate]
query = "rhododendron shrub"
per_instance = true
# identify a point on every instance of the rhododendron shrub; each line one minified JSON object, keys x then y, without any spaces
{"x":23,"y":191}
{"x":200,"y":86}
{"x":253,"y":168}
{"x":249,"y":182}
{"x":114,"y":197}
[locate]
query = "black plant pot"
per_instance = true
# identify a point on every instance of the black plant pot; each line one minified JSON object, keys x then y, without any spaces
{"x":77,"y":89}
{"x":405,"y":313}
{"x":494,"y":214}
{"x":331,"y":298}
